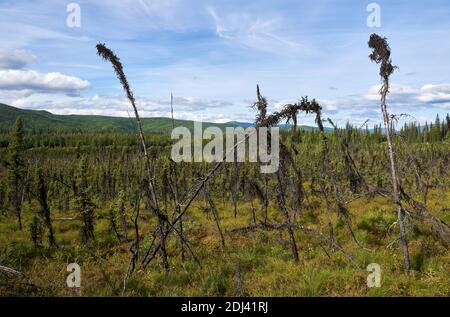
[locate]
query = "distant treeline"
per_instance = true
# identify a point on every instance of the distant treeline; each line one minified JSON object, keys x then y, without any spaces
{"x":412,"y":132}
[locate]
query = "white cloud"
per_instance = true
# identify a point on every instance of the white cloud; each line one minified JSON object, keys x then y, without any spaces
{"x":254,"y":32}
{"x":444,"y":105}
{"x":396,"y":91}
{"x":435,"y":93}
{"x":406,"y":96}
{"x":117,"y":105}
{"x":355,"y":109}
{"x":15,"y":59}
{"x":36,"y":81}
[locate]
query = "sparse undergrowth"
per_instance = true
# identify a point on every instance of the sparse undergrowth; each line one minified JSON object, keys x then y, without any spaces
{"x":251,"y":265}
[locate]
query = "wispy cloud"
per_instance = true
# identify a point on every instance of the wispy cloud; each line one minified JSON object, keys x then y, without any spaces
{"x":254,"y":32}
{"x":22,"y":34}
{"x":15,"y":59}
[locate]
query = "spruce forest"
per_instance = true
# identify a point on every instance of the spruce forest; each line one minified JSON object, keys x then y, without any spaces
{"x":138,"y":224}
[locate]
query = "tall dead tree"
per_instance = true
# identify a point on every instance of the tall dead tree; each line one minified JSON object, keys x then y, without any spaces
{"x":109,"y":55}
{"x":162,"y":219}
{"x":282,"y":181}
{"x":287,"y":158}
{"x":176,"y":194}
{"x":381,"y":54}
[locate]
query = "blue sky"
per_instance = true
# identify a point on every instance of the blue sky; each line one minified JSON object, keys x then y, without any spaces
{"x":211,"y":55}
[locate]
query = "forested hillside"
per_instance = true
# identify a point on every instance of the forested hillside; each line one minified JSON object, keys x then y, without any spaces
{"x":44,"y":120}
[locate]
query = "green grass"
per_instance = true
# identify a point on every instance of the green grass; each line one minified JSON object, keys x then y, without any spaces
{"x":262,"y":257}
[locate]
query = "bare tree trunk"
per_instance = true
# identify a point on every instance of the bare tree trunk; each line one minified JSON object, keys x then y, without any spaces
{"x":330,"y":217}
{"x":151,"y":190}
{"x":400,"y":211}
{"x":107,"y":54}
{"x":266,"y":199}
{"x":215,"y":215}
{"x":253,"y":211}
{"x":381,"y":54}
{"x":234,"y":184}
{"x":282,"y":204}
{"x":123,"y":220}
{"x":294,"y":128}
{"x":175,"y":189}
{"x":45,"y":209}
{"x":134,"y":247}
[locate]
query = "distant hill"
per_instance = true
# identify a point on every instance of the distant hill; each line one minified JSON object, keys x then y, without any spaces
{"x":240,"y":124}
{"x":281,"y":126}
{"x":39,"y":119}
{"x":44,"y":120}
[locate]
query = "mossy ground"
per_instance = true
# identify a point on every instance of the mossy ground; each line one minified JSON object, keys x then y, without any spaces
{"x":252,"y":264}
